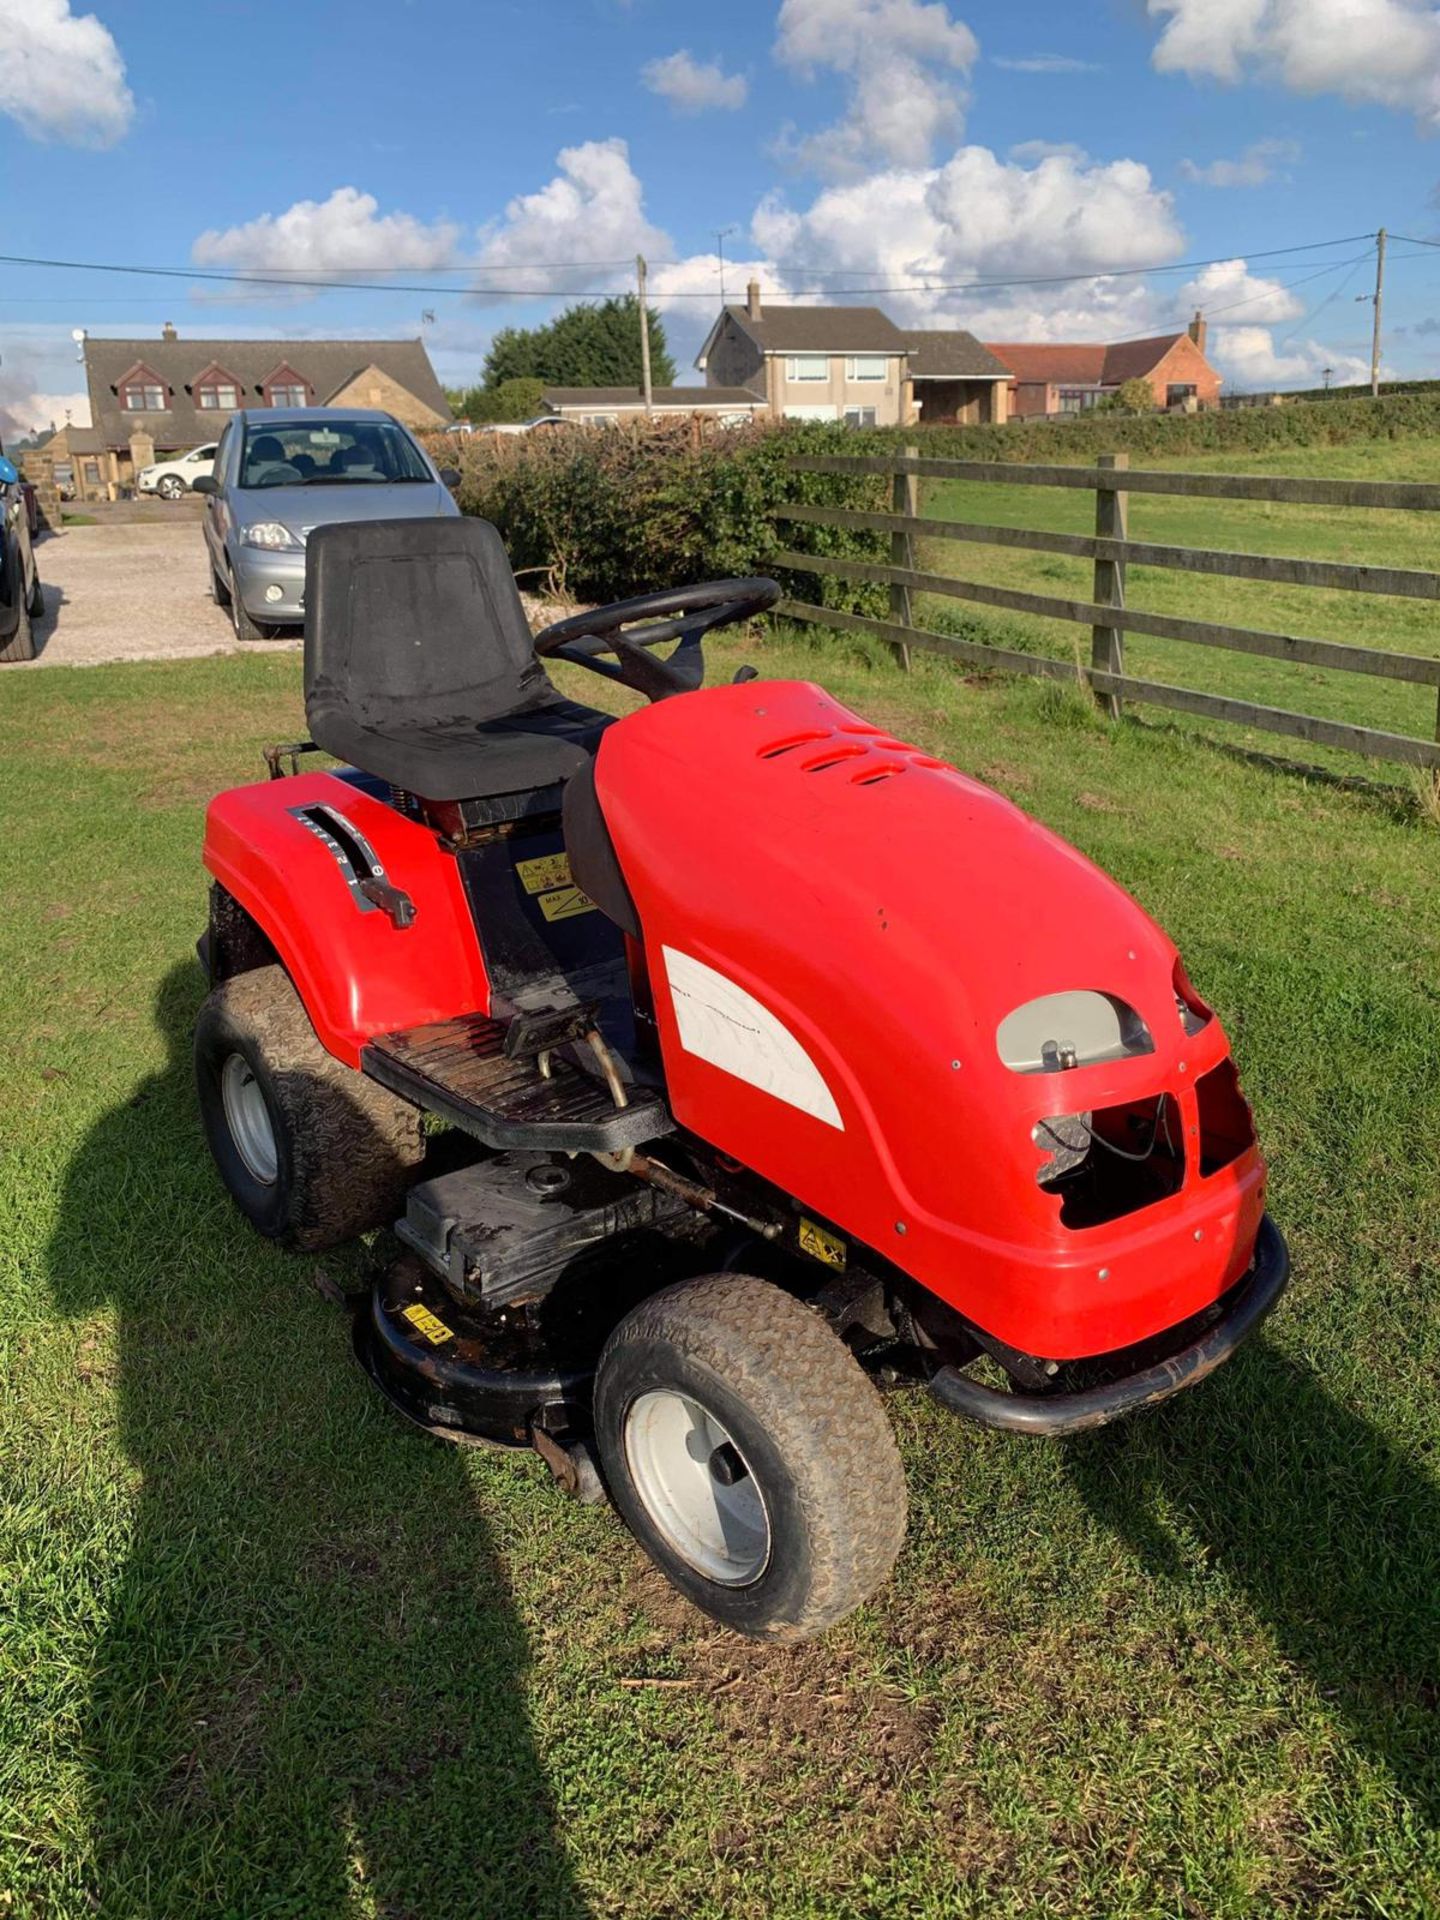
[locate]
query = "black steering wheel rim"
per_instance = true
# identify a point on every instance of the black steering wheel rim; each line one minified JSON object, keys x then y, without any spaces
{"x":682,"y":614}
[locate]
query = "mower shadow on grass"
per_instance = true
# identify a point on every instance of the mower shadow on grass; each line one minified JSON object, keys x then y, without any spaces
{"x":1326,"y":1529}
{"x":308,"y":1687}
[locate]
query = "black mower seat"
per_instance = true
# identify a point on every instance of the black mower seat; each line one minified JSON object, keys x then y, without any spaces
{"x":419,"y":666}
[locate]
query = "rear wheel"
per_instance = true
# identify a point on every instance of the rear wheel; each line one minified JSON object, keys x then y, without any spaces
{"x":313,"y":1153}
{"x":749,"y":1455}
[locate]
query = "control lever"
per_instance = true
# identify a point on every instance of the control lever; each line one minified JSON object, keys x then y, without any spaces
{"x":399,"y":906}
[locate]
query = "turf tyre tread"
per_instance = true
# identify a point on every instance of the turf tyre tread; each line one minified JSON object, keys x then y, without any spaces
{"x":792,"y":1396}
{"x":347,"y":1147}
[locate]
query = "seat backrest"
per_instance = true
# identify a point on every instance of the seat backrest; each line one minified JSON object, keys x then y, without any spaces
{"x":413,"y":622}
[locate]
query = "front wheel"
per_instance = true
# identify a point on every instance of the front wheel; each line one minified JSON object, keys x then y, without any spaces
{"x":245,"y":627}
{"x":171,"y":487}
{"x":749,"y":1455}
{"x":313,"y":1153}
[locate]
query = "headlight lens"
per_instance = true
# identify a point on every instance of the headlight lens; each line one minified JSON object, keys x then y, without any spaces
{"x":269,"y":534}
{"x":1074,"y":1029}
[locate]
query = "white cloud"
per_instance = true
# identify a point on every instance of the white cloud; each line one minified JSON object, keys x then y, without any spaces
{"x":905,"y":62}
{"x":980,"y":218}
{"x":323,"y":238}
{"x":1251,"y":359}
{"x":1227,"y":286}
{"x":1380,"y":52}
{"x":694,"y":86}
{"x":592,"y":211}
{"x":1048,"y":63}
{"x":61,"y":75}
{"x":1252,"y":168}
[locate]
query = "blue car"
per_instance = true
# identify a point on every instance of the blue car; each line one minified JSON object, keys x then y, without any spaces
{"x":21,"y":598}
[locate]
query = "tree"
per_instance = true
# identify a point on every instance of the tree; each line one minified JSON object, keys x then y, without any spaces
{"x":511,"y":400}
{"x":585,"y":346}
{"x":1132,"y":396}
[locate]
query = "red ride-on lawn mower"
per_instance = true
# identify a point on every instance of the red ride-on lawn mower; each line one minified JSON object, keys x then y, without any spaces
{"x":782,"y":1061}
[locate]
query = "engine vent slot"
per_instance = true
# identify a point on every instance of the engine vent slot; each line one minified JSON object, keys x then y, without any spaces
{"x":793,"y":740}
{"x":872,"y":776}
{"x":833,"y":756}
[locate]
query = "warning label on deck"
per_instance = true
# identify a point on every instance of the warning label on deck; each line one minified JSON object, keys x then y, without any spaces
{"x":821,"y":1245}
{"x":546,"y":870}
{"x":424,"y":1321}
{"x":565,"y":903}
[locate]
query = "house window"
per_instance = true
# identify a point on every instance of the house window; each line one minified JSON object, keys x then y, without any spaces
{"x":866,"y":366}
{"x":859,"y":416}
{"x":599,"y":420}
{"x":808,"y":366}
{"x":1177,"y":395}
{"x":1079,"y":399}
{"x":287,"y":396}
{"x":141,"y":396}
{"x":219,"y":396}
{"x":92,"y":472}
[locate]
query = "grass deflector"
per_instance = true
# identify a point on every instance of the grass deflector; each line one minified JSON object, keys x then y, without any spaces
{"x":780,"y":1063}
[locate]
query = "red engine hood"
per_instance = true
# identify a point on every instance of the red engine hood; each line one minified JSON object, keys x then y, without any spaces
{"x":889,"y":912}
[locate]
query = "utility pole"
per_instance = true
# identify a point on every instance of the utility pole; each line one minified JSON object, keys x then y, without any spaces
{"x":1379,"y":296}
{"x":644,"y":336}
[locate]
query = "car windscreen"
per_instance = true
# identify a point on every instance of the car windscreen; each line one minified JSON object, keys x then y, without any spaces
{"x":331,"y":454}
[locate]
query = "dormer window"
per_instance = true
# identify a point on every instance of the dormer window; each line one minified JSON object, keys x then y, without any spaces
{"x":284,"y":387}
{"x":142,"y":391}
{"x":216,"y":391}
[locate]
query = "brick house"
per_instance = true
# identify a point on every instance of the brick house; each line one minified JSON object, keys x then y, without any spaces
{"x":151,"y":399}
{"x":811,"y":363}
{"x":1063,"y":378}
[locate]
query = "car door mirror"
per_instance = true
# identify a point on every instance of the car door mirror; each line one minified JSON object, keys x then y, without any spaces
{"x":205,"y":483}
{"x":450,"y":476}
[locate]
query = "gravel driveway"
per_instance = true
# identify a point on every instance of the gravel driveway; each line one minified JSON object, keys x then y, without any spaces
{"x":132,"y":591}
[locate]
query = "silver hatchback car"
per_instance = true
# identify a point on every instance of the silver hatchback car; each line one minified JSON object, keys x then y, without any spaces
{"x":278,"y":474}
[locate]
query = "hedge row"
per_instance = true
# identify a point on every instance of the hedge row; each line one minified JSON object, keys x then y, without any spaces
{"x":604,"y":514}
{"x":599,"y":515}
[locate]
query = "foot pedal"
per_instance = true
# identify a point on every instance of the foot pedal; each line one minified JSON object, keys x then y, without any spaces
{"x":461,"y":1069}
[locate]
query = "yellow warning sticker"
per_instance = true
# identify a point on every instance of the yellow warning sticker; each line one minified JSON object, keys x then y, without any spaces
{"x":821,"y":1245}
{"x":545,"y":871}
{"x":565,"y":903}
{"x":424,"y":1321}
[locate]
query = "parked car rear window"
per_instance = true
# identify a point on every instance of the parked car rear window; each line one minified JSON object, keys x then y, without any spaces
{"x":345,"y":453}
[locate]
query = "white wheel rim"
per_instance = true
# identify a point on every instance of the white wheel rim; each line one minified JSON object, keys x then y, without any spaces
{"x":247,"y":1115}
{"x":697,"y":1487}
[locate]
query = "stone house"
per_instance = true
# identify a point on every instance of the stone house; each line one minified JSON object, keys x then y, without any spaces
{"x":152,"y":399}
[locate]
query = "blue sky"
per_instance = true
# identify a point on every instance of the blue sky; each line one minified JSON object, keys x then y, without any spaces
{"x":959,"y":159}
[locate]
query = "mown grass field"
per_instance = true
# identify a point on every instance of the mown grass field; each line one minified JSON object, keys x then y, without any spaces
{"x":266,"y":1652}
{"x":1380,"y":538}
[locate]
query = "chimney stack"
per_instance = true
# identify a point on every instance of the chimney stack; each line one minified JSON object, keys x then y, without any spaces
{"x":167,"y":332}
{"x":752,"y":300}
{"x":1197,"y":330}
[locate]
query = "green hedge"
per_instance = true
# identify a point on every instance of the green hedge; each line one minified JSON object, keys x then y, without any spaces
{"x":1241,"y":430}
{"x":608,"y":513}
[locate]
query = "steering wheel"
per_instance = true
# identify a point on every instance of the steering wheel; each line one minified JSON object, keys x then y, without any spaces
{"x":682,"y":614}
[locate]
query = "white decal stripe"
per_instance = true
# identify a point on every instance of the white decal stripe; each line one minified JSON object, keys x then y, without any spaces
{"x":723,"y":1024}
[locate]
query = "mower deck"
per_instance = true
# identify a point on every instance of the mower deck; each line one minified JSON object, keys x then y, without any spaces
{"x":460,"y":1070}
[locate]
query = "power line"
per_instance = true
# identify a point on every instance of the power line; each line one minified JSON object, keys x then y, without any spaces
{"x":289,"y":281}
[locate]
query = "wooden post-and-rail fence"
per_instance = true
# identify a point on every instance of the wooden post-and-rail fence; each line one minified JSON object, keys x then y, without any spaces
{"x":1106,"y":612}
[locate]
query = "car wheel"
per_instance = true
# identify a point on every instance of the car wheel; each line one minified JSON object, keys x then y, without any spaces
{"x":312,"y":1152}
{"x":245,"y":627}
{"x":21,"y":644}
{"x":171,"y":487}
{"x":219,"y":592}
{"x":749,"y":1455}
{"x":35,"y":606}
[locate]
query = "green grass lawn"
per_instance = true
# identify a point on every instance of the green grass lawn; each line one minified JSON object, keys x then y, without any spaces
{"x":1317,"y":533}
{"x":264,"y":1651}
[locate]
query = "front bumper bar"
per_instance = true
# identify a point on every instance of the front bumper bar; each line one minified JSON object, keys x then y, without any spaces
{"x":1049,"y":1414}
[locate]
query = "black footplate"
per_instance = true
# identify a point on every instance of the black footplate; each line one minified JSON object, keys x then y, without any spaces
{"x":460,"y":1070}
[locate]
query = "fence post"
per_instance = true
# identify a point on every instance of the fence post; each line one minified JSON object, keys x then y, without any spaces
{"x":904,"y":498}
{"x":1107,"y":644}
